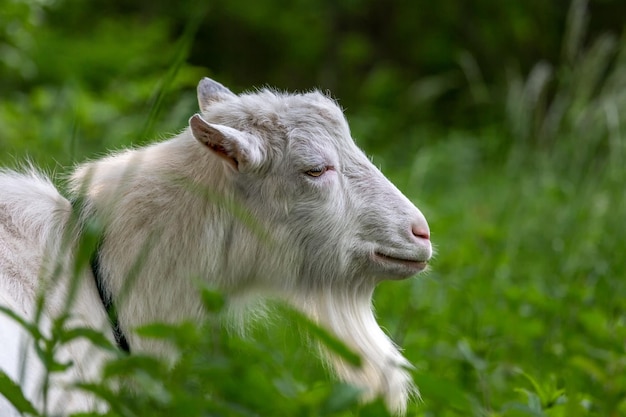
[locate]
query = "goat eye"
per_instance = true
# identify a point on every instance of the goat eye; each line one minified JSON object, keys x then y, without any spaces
{"x":316,"y":172}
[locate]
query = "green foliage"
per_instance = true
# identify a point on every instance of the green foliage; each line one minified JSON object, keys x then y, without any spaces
{"x":12,"y":392}
{"x":586,"y":93}
{"x":523,"y":311}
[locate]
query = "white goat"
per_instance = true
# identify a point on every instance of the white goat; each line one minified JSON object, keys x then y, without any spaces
{"x":332,"y":227}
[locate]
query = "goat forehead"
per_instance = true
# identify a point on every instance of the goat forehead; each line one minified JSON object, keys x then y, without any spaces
{"x":310,"y":128}
{"x":267,"y":110}
{"x":309,"y":136}
{"x":316,"y":127}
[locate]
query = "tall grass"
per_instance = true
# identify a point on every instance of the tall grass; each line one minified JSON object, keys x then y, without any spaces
{"x":524,"y":310}
{"x":576,"y":107}
{"x":524,"y":313}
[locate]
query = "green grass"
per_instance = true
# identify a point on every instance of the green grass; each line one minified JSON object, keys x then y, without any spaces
{"x":523,"y":312}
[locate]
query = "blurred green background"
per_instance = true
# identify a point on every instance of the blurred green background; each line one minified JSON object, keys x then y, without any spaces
{"x":504,"y":121}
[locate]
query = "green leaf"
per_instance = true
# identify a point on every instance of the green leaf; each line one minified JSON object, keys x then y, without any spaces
{"x":342,"y":397}
{"x":547,"y":393}
{"x":29,"y":327}
{"x":183,"y":334}
{"x":13,"y":393}
{"x":445,"y":391}
{"x":129,"y":365}
{"x":94,"y":336}
{"x":213,"y":301}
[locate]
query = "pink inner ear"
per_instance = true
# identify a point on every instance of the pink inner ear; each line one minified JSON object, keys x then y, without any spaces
{"x":212,"y":138}
{"x":220,"y":150}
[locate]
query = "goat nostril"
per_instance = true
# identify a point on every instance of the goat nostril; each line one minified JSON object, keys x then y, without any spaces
{"x":420,"y":232}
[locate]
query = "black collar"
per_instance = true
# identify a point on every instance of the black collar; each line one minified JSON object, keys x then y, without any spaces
{"x":107,"y":300}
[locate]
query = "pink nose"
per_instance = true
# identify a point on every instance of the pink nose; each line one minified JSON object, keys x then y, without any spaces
{"x":420,"y":232}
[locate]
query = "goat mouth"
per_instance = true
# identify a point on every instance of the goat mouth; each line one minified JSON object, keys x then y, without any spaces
{"x":399,"y":266}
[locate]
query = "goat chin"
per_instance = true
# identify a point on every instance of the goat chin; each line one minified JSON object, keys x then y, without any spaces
{"x":348,"y":315}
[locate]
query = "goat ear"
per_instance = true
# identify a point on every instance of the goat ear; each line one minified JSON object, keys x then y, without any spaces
{"x":210,"y":91}
{"x":239,"y":149}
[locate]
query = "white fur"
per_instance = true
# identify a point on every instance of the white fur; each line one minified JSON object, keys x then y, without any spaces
{"x":234,"y":201}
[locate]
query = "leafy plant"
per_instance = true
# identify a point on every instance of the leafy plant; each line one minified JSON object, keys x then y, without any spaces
{"x":522,"y":313}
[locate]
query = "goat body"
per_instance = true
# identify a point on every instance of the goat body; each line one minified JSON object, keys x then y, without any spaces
{"x":264,"y":195}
